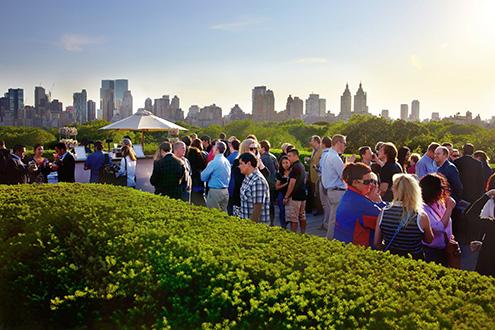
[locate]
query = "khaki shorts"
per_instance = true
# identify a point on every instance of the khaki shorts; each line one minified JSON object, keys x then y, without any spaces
{"x":295,"y":211}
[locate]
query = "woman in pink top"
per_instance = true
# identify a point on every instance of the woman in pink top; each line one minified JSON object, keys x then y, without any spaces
{"x":438,"y":205}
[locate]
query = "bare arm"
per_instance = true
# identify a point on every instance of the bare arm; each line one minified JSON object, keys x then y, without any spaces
{"x":279,"y":185}
{"x":383,"y":188}
{"x":378,"y":235}
{"x":256,"y":215}
{"x":425,"y":224}
{"x":290,"y":188}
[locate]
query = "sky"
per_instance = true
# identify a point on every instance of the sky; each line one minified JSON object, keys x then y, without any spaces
{"x":440,"y":52}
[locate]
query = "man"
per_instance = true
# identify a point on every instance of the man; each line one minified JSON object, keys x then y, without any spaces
{"x":179,"y":150}
{"x":271,"y":163}
{"x":168,"y":173}
{"x":217,"y":174}
{"x":426,"y":164}
{"x":331,"y":167}
{"x":369,"y":158}
{"x":455,"y":154}
{"x":96,"y":161}
{"x":255,"y":192}
{"x":313,"y":192}
{"x":449,"y":170}
{"x":206,"y":142}
{"x":223,"y":137}
{"x":65,"y":164}
{"x":16,"y":169}
{"x":4,"y":163}
{"x":450,"y":147}
{"x":295,"y":197}
{"x":471,"y":174}
{"x":234,"y":145}
{"x":326,"y":144}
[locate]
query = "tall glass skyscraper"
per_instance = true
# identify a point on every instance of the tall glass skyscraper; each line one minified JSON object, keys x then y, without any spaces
{"x":121,"y":86}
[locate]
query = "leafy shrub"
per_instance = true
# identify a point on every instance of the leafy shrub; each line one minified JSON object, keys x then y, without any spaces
{"x":27,"y":136}
{"x":74,"y":255}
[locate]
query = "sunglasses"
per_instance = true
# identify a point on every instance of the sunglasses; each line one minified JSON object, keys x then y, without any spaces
{"x":368,"y":181}
{"x":253,"y":148}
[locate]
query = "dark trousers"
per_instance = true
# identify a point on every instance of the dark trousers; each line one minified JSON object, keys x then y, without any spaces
{"x":435,"y":255}
{"x":198,"y":198}
{"x":281,"y":210}
{"x":313,"y":203}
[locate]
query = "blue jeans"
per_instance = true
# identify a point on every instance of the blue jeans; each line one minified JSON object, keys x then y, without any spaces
{"x":281,"y":209}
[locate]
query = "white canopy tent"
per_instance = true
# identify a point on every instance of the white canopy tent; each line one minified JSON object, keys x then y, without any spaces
{"x":143,"y":121}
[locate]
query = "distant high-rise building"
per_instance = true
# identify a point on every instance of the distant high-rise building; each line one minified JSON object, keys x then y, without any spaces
{"x":404,"y":111}
{"x":435,"y":116}
{"x":125,"y":109}
{"x":175,"y":103}
{"x":121,"y":87}
{"x":4,"y":108}
{"x":107,"y":99}
{"x":236,"y":113}
{"x":263,"y":104}
{"x":56,"y":106}
{"x":415,"y":110}
{"x":40,"y":98}
{"x":294,"y":107}
{"x":360,"y":102}
{"x":81,"y":106}
{"x":385,"y":114}
{"x":16,"y":103}
{"x":148,"y":105}
{"x":161,"y":107}
{"x":314,"y":106}
{"x":346,"y":104}
{"x":91,"y":110}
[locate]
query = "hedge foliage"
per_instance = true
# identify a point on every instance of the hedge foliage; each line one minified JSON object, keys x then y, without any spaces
{"x":74,"y":255}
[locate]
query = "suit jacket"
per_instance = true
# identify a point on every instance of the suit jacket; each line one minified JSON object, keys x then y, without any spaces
{"x":472,"y":177}
{"x":313,"y":164}
{"x":168,"y":174}
{"x":17,"y":170}
{"x":452,"y":174}
{"x":67,"y":168}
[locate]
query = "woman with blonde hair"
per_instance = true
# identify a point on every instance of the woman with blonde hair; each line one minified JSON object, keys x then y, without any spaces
{"x":128,"y":166}
{"x":403,"y":226}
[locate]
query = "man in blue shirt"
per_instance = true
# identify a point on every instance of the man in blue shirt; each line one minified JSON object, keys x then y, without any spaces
{"x":449,"y":170}
{"x":426,"y":164}
{"x":95,"y":162}
{"x":234,"y":145}
{"x":217,"y":175}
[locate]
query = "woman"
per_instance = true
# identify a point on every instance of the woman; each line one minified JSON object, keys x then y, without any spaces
{"x":236,"y":177}
{"x":40,"y":166}
{"x":485,"y":162}
{"x":357,"y":214}
{"x":403,"y":155}
{"x":438,"y":205}
{"x":403,"y":226}
{"x":197,"y":160}
{"x":128,"y":166}
{"x":413,"y":160}
{"x":281,"y":187}
{"x":482,"y":213}
{"x":388,"y":155}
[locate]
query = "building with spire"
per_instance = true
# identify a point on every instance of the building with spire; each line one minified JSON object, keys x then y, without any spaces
{"x":346,"y":104}
{"x":360,"y":103}
{"x":263,"y":104}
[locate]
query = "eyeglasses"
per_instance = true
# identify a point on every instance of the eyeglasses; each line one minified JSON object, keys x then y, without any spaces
{"x":367,"y":182}
{"x":253,"y":148}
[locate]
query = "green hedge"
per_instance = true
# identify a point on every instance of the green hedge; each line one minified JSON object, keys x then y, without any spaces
{"x":74,"y":255}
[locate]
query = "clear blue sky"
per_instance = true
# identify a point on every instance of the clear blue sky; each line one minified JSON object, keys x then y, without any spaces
{"x":440,"y":52}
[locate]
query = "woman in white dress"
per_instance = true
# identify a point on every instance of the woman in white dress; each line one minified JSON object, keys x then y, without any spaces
{"x":128,"y":166}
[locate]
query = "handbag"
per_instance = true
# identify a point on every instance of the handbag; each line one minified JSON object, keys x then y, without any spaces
{"x":453,"y":252}
{"x":122,"y":179}
{"x":108,"y":171}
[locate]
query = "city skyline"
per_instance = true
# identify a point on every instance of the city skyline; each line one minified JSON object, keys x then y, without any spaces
{"x":215,"y":53}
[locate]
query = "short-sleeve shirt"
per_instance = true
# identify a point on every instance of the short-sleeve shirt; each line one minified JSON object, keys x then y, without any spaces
{"x":386,"y":176}
{"x":298,"y":172}
{"x":283,"y":180}
{"x":255,"y":190}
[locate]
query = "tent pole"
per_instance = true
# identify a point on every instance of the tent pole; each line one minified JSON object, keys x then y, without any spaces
{"x":142,"y":139}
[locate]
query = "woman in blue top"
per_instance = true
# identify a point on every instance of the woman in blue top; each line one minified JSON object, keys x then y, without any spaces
{"x":360,"y":206}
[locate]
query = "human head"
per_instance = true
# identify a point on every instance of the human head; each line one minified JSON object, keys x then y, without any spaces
{"x":449,"y":146}
{"x":468,"y":149}
{"x":38,"y":150}
{"x":284,"y":163}
{"x":430,"y":152}
{"x":434,"y":188}
{"x":264,"y":146}
{"x":315,"y":141}
{"x":179,"y":149}
{"x":60,"y":148}
{"x":127,"y":141}
{"x":490,"y":183}
{"x":193,"y":136}
{"x":165,"y":148}
{"x":222,"y":136}
{"x":403,"y":155}
{"x":441,"y":155}
{"x":481,"y":156}
{"x":378,"y":145}
{"x":19,"y":150}
{"x":339,"y":143}
{"x":388,"y":152}
{"x":293,"y":155}
{"x":247,"y":163}
{"x":2,"y":144}
{"x":406,"y":189}
{"x":245,"y":146}
{"x":326,"y":142}
{"x":220,"y":148}
{"x":414,"y":158}
{"x":366,"y":154}
{"x":455,"y":154}
{"x":127,"y":151}
{"x":234,"y":145}
{"x":358,"y":175}
{"x":205,"y":140}
{"x":187,"y":141}
{"x":196,"y":143}
{"x":252,"y":136}
{"x":98,"y":145}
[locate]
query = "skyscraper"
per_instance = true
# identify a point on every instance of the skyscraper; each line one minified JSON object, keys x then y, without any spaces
{"x":313,"y":105}
{"x":294,"y":107}
{"x":91,"y":110}
{"x":263,"y":104}
{"x":346,"y":103}
{"x":360,"y":106}
{"x":323,"y":107}
{"x":125,"y":108}
{"x":404,"y":111}
{"x":107,"y":103}
{"x":40,"y":98}
{"x":80,"y":103}
{"x":415,"y":110}
{"x":148,"y":105}
{"x":121,"y":87}
{"x":16,"y":103}
{"x":385,"y":114}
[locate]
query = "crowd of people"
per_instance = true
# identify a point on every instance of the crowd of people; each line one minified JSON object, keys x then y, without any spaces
{"x":438,"y":206}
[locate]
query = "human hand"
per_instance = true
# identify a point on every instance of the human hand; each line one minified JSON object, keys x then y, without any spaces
{"x":351,"y":159}
{"x":450,"y":203}
{"x":491,"y":193}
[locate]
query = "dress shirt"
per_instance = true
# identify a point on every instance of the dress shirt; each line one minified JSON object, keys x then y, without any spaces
{"x":217,"y":173}
{"x":425,"y":165}
{"x":331,"y":167}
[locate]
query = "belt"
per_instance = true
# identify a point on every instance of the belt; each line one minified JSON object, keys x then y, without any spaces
{"x":217,"y":188}
{"x":337,"y":188}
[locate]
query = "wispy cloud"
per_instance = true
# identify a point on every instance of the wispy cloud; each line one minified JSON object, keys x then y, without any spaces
{"x":76,"y":42}
{"x":239,"y":25}
{"x":311,"y":60}
{"x":415,"y":61}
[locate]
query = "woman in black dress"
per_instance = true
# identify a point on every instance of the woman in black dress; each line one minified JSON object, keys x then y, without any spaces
{"x":39,"y":166}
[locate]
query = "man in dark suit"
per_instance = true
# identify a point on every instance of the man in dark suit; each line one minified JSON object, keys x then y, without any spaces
{"x":65,"y":165}
{"x":168,"y":173}
{"x":17,"y":170}
{"x":471,"y":174}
